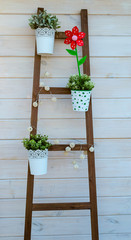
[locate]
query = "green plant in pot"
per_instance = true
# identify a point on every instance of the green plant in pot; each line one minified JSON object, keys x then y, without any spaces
{"x":80,"y":84}
{"x":37,"y":146}
{"x":45,"y":26}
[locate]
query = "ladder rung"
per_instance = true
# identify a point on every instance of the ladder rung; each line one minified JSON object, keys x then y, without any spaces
{"x":55,"y":90}
{"x":61,"y":206}
{"x":60,"y":35}
{"x":61,"y":147}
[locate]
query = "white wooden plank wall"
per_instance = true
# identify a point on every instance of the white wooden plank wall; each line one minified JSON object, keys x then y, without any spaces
{"x":110,"y":51}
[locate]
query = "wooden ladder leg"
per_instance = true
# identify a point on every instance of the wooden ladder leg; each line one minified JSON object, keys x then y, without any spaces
{"x":89,"y":133}
{"x":34,"y":115}
{"x":91,"y":174}
{"x":29,"y":200}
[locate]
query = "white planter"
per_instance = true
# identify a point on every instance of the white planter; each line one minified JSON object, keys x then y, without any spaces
{"x":80,"y":100}
{"x":38,"y":161}
{"x":45,"y":40}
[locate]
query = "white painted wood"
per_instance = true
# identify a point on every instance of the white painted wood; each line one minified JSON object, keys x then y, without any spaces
{"x":67,"y":7}
{"x":11,"y":25}
{"x":62,"y":128}
{"x":61,"y":188}
{"x":74,"y":237}
{"x":99,"y":46}
{"x":100,"y":67}
{"x":104,"y":148}
{"x":22,"y":87}
{"x":102,"y":108}
{"x":65,"y":226}
{"x":106,"y":206}
{"x":61,"y":168}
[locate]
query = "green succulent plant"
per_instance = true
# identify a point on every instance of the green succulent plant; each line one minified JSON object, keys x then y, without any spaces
{"x":82,"y":82}
{"x":42,"y":20}
{"x":36,"y":142}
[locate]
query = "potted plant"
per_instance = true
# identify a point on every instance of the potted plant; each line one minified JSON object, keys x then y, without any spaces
{"x":37,"y":146}
{"x":80,"y":84}
{"x":45,"y":26}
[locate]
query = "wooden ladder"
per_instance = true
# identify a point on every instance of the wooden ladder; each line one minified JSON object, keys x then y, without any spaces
{"x":92,"y":204}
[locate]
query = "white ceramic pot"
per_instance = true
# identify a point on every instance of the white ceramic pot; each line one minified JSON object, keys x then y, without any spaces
{"x":45,"y":40}
{"x":38,"y":161}
{"x":80,"y":100}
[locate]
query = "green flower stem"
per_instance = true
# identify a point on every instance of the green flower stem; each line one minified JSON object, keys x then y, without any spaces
{"x":78,"y":63}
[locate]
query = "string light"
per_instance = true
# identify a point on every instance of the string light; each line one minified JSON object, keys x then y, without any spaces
{"x":82,"y":156}
{"x":47,"y":88}
{"x":91,"y":149}
{"x":72,"y":145}
{"x":47,"y":74}
{"x":67,"y":149}
{"x":35,"y":104}
{"x":30,"y":129}
{"x":53,"y":99}
{"x":76,"y":166}
{"x":74,"y":162}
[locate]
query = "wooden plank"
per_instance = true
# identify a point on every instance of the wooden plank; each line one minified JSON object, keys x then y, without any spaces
{"x":61,"y":206}
{"x":74,"y":237}
{"x":100,"y":46}
{"x":11,"y":67}
{"x":102,"y":25}
{"x":59,"y":188}
{"x":9,"y":87}
{"x":107,"y":206}
{"x":64,"y":168}
{"x":62,"y":108}
{"x":65,"y":226}
{"x":62,"y":7}
{"x":103,"y":128}
{"x":113,"y":148}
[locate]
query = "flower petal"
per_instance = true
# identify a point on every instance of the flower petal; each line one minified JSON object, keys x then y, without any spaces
{"x":67,"y":40}
{"x":81,"y":35}
{"x":75,"y":30}
{"x":79,"y":42}
{"x":73,"y":45}
{"x":68,"y":33}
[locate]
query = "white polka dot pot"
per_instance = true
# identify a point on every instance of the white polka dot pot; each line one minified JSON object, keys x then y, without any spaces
{"x":80,"y":100}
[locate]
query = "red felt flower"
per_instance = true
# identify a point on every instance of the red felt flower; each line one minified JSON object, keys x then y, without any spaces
{"x":75,"y":37}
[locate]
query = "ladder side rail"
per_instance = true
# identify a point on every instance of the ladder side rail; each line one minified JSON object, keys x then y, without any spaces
{"x":34,"y":115}
{"x":89,"y":133}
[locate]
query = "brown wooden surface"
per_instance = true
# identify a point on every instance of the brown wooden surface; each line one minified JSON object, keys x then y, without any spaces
{"x":61,"y":206}
{"x":89,"y":132}
{"x":60,"y":35}
{"x":55,"y":90}
{"x":61,"y":147}
{"x":34,"y":115}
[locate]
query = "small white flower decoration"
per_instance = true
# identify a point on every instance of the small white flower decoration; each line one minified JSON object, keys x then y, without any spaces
{"x":35,"y":104}
{"x":74,"y":162}
{"x":47,"y":74}
{"x":42,"y":84}
{"x":82,"y":156}
{"x":67,"y":149}
{"x":72,"y":145}
{"x":76,"y":166}
{"x":91,"y":149}
{"x":53,"y":99}
{"x":47,"y":88}
{"x":30,"y":129}
{"x":56,"y":141}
